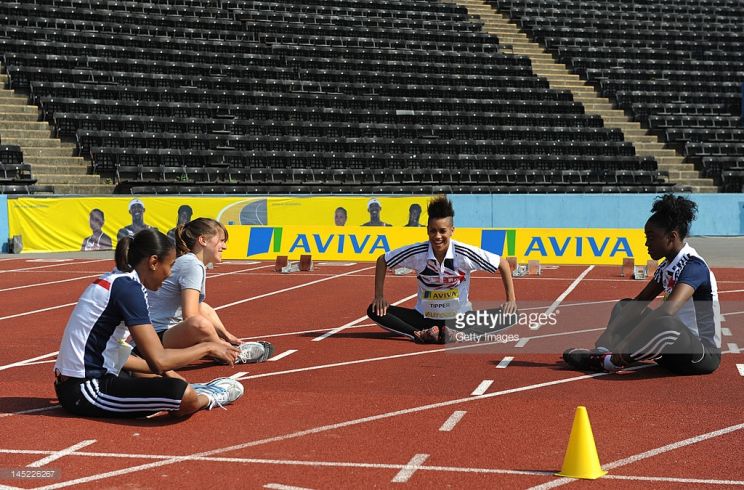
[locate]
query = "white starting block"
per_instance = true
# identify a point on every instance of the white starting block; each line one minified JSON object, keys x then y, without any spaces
{"x":284,"y":265}
{"x":290,"y":267}
{"x":519,"y":271}
{"x":640,"y":272}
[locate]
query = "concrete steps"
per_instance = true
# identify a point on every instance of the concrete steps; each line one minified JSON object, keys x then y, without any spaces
{"x":560,"y":78}
{"x":52,"y":161}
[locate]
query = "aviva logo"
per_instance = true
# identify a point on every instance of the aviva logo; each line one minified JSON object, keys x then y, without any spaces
{"x":264,"y":240}
{"x":442,"y":295}
{"x":498,"y":241}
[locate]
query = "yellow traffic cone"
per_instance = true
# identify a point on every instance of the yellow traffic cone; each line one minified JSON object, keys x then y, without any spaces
{"x":581,"y":459}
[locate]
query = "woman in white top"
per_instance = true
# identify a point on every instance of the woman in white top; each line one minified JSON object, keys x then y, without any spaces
{"x":93,"y":364}
{"x":443,"y":268}
{"x":179,"y":313}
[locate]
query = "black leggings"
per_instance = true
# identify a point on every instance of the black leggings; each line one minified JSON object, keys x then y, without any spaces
{"x":664,"y":339}
{"x":403,"y":321}
{"x":406,"y":321}
{"x":120,"y":396}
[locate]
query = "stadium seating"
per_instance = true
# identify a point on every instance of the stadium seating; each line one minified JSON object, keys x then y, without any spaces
{"x":672,"y":65}
{"x":359,"y":96}
{"x":15,"y":175}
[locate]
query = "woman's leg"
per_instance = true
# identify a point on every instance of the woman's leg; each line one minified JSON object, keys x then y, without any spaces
{"x":624,"y":318}
{"x":403,"y":321}
{"x":125,"y":397}
{"x":191,"y":331}
{"x":670,"y":343}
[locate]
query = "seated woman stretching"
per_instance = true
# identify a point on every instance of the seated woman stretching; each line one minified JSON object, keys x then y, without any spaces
{"x":179,"y":313}
{"x":93,"y":352}
{"x":684,"y":333}
{"x":443,"y":268}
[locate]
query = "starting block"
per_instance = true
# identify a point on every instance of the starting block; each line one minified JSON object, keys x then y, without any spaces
{"x":286,"y":266}
{"x":534,"y":268}
{"x":281,"y":262}
{"x":306,"y":263}
{"x":628,"y":267}
{"x":651,"y":267}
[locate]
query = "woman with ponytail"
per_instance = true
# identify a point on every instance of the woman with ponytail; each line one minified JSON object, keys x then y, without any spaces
{"x":684,"y":333}
{"x":179,"y":313}
{"x":93,"y":363}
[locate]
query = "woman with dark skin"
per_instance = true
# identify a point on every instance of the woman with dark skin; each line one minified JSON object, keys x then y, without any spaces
{"x":684,"y":333}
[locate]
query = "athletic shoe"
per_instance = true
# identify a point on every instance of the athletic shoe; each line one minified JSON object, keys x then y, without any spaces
{"x":253,"y":352}
{"x":434,"y":335}
{"x":220,"y":391}
{"x":585,"y":359}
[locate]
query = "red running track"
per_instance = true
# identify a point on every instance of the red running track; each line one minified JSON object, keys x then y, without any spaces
{"x":363,"y":409}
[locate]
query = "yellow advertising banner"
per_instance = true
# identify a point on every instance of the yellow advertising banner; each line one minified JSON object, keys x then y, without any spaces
{"x":550,"y":246}
{"x":96,"y":223}
{"x":328,"y":227}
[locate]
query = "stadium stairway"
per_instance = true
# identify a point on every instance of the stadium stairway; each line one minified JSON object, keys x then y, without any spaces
{"x":559,"y":77}
{"x":52,"y":161}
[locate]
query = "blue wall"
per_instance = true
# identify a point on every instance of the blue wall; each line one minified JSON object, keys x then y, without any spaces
{"x":3,"y":224}
{"x":719,"y":214}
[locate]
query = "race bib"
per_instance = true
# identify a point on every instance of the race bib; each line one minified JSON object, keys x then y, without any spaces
{"x":441,"y":304}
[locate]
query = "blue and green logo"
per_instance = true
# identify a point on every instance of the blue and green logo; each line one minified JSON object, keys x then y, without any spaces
{"x":263,"y":240}
{"x":496,"y":241}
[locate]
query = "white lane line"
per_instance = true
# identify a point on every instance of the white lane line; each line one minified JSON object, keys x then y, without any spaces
{"x":238,"y":375}
{"x":522,"y":342}
{"x":394,"y":356}
{"x":41,"y":310}
{"x":72,"y":304}
{"x":240,"y":271}
{"x":726,"y":332}
{"x":289,"y":462}
{"x":282,"y":355}
{"x":482,"y":387}
{"x":410,"y":468}
{"x":60,"y":454}
{"x":343,"y":464}
{"x":740,"y":367}
{"x":733,"y":348}
{"x":48,"y":266}
{"x":279,"y":486}
{"x":553,"y":307}
{"x":690,"y":481}
{"x":452,"y":421}
{"x":354,"y":322}
{"x":26,"y":361}
{"x":39,"y":362}
{"x":253,"y":298}
{"x":648,"y":454}
{"x":298,"y":332}
{"x":320,"y":429}
{"x":49,"y":283}
{"x":31,"y":410}
{"x":504,"y":362}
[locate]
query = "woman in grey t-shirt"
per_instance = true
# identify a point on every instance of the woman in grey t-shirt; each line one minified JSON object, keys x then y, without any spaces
{"x":178,"y":311}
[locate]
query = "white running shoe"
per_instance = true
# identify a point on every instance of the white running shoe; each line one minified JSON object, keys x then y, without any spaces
{"x":220,"y":391}
{"x":253,"y":352}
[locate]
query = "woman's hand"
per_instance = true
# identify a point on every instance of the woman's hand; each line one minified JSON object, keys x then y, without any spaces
{"x":224,"y":352}
{"x":509,"y":307}
{"x":380,"y":305}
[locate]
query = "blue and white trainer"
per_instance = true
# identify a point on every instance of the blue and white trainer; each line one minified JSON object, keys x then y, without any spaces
{"x":220,"y":391}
